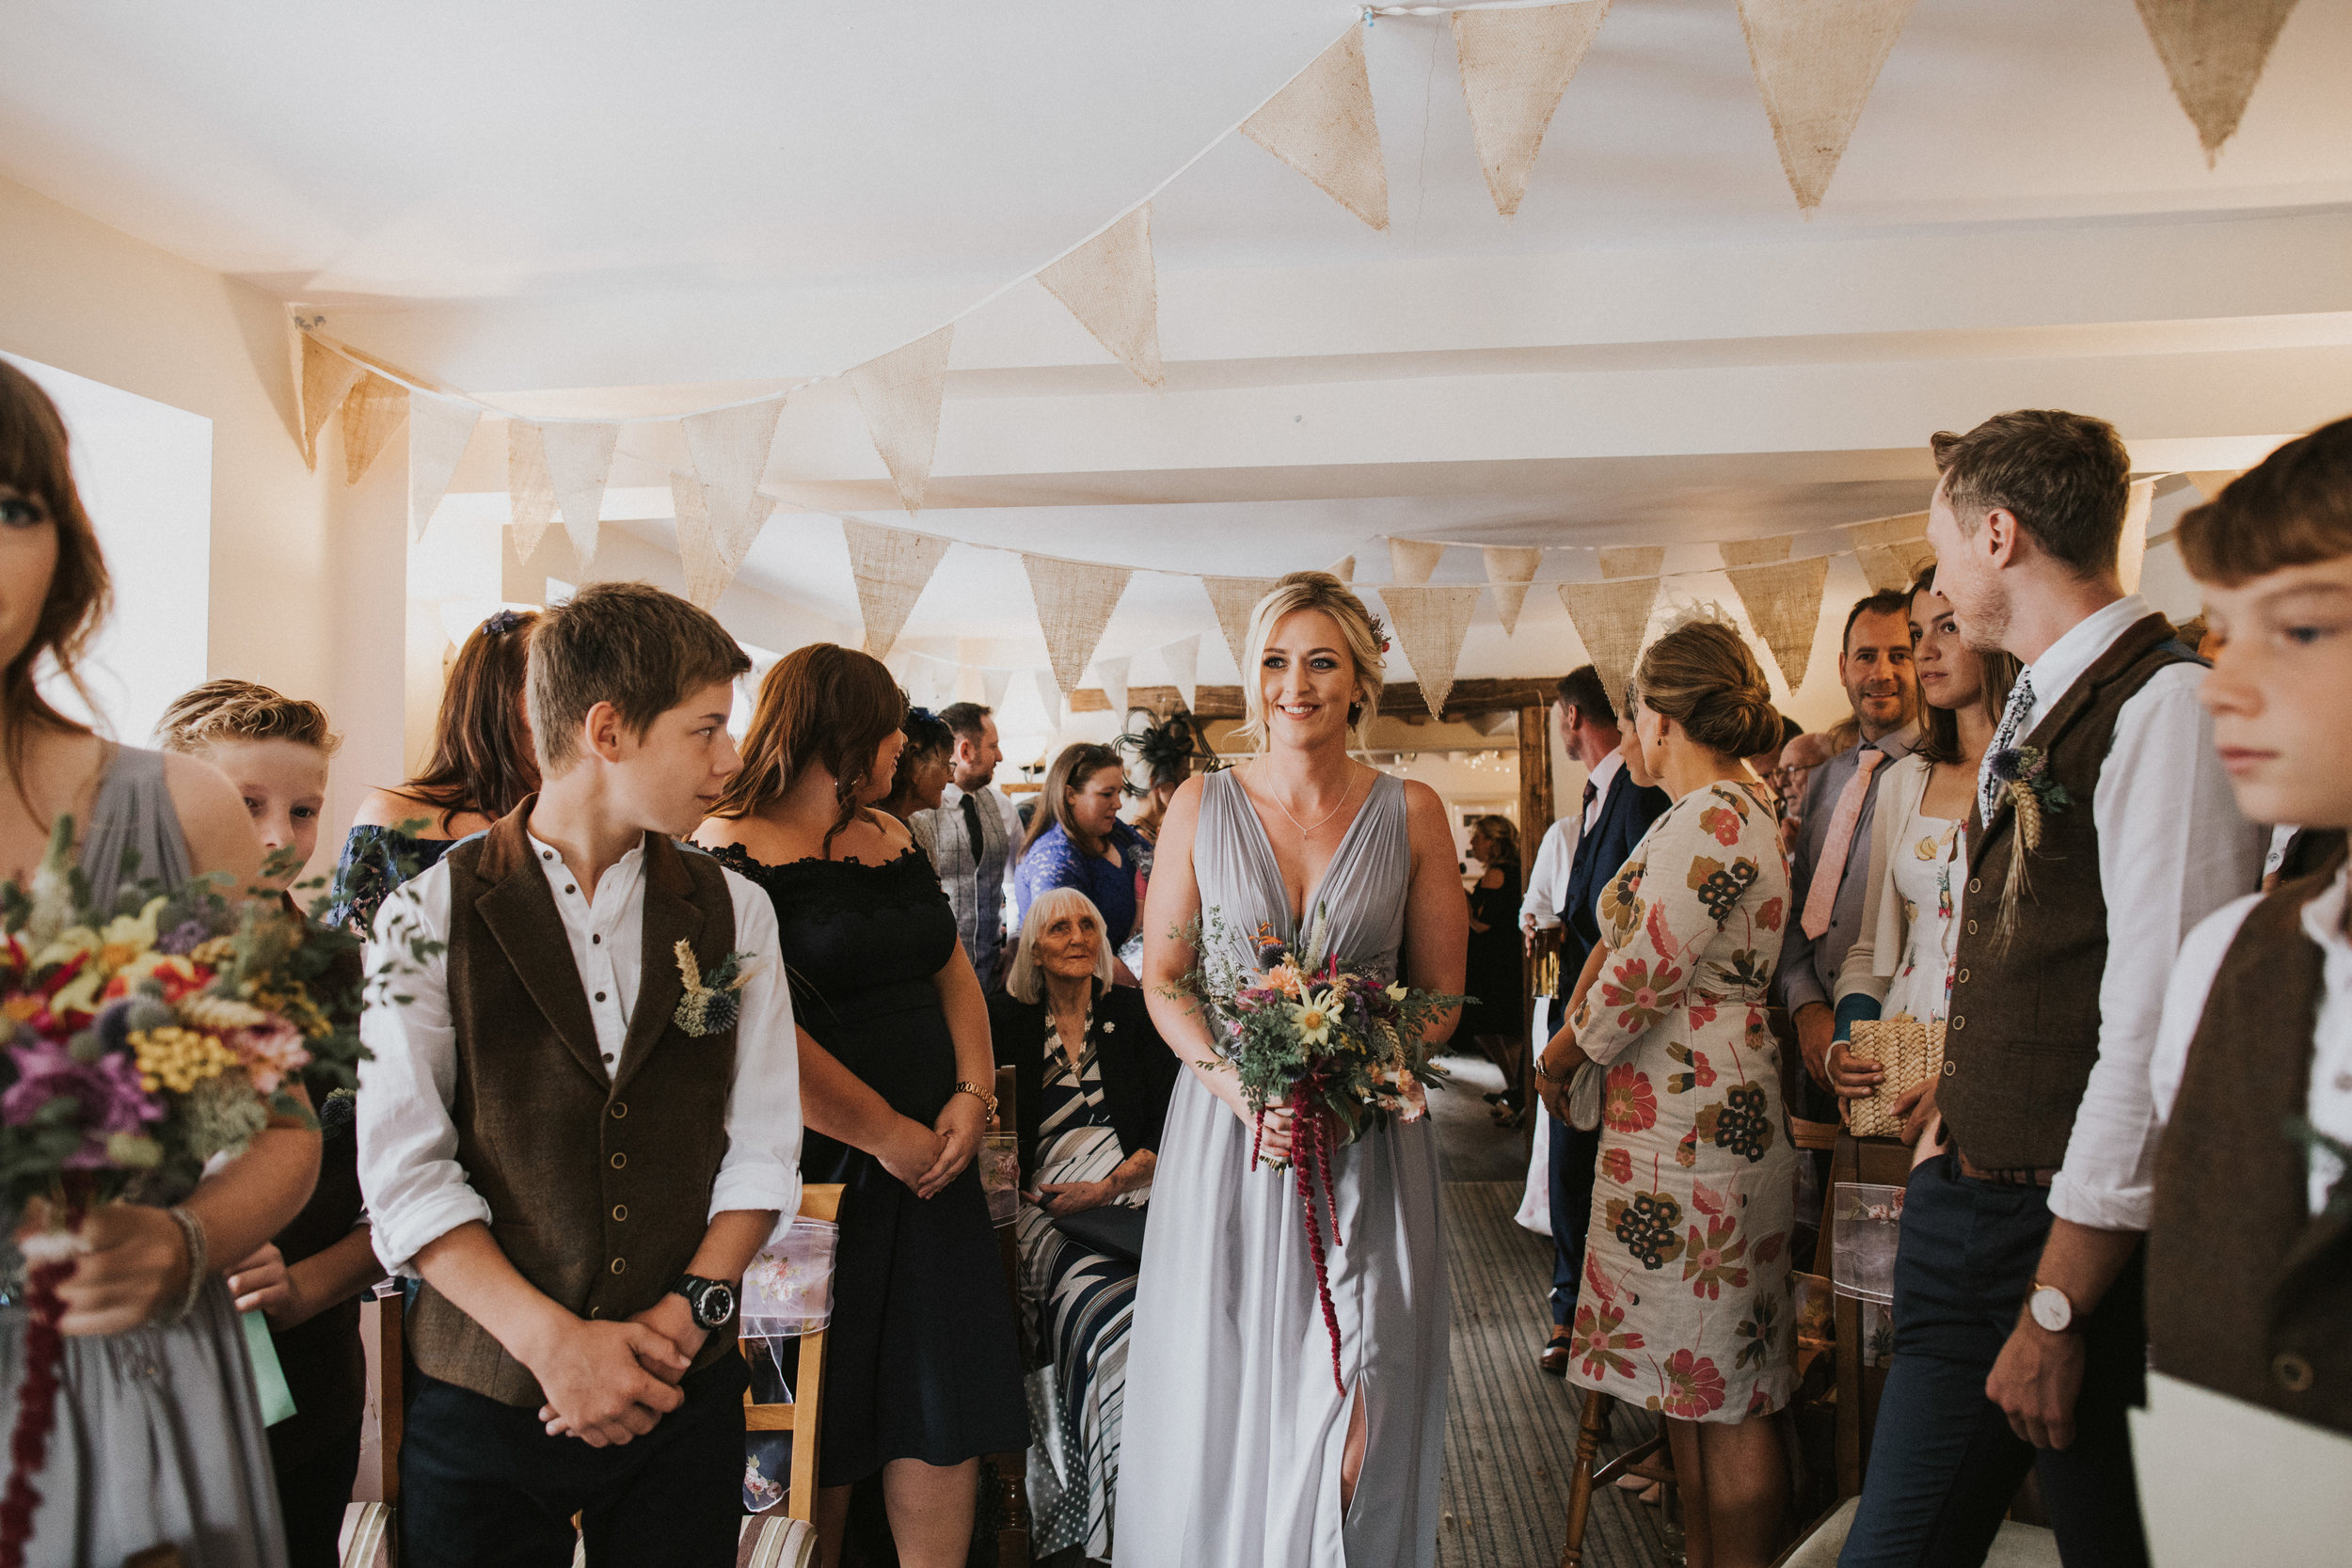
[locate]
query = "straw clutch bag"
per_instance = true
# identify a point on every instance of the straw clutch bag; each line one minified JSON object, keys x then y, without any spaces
{"x":1911,"y":1053}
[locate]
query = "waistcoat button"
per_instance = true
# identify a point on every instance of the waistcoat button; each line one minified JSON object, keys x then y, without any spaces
{"x":1959,"y":1022}
{"x":620,"y":1265}
{"x":1975,"y":884}
{"x":1963,"y":976}
{"x":1951,"y":1068}
{"x":1972,"y":927}
{"x":620,"y":1210}
{"x":619,"y":1161}
{"x":2293,"y":1372}
{"x":619,"y":1110}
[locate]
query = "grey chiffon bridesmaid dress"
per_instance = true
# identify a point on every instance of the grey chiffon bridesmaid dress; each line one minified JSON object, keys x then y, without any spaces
{"x":1234,"y":1429}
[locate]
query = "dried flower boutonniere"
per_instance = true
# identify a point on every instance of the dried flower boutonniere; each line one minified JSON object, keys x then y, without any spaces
{"x":2033,"y":793}
{"x":712,"y":1001}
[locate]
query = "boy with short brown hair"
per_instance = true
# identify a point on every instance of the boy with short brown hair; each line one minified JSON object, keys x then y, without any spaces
{"x":582,"y":1118}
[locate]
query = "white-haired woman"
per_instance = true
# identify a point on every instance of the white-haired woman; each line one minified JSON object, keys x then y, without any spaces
{"x":1250,"y":1452}
{"x":1092,"y":1082}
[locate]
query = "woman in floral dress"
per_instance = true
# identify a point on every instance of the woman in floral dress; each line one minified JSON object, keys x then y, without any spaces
{"x":1684,"y":1303}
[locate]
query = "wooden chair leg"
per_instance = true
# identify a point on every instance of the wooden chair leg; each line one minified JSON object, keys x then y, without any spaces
{"x":1013,"y":1509}
{"x":1589,"y":1430}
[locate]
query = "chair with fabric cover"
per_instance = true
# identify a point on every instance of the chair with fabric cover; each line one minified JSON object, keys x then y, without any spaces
{"x":1011,"y":1469}
{"x":2017,"y":1546}
{"x":804,"y":1413}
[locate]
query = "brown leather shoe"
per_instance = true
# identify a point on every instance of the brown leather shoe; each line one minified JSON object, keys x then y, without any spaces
{"x":1556,"y":1357}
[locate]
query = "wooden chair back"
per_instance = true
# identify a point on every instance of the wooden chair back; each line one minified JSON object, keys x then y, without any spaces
{"x":803,"y":1414}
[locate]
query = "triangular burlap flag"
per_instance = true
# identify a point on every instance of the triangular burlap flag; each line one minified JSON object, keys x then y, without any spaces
{"x":1632,"y":560}
{"x":1515,"y":66}
{"x":438,"y":429}
{"x":1181,"y":660}
{"x":711,"y":555}
{"x":1344,"y":568}
{"x":1816,"y":62}
{"x":1429,"y":624}
{"x":1321,"y":126}
{"x":1892,"y":551}
{"x":1074,"y":601}
{"x":2210,"y":483}
{"x":530,"y":491}
{"x":1113,"y":675}
{"x":326,"y":379}
{"x":2132,"y":549}
{"x":1411,"y":561}
{"x":1783,"y":600}
{"x":994,"y":683}
{"x":1510,"y":568}
{"x":1756,"y":552}
{"x":1111,"y":286}
{"x":890,"y":567}
{"x":2214,"y":50}
{"x":901,"y":393}
{"x":1233,"y":599}
{"x":579,"y":460}
{"x":371,"y":411}
{"x":729,"y":447}
{"x":1048,"y":695}
{"x":1609,"y":619}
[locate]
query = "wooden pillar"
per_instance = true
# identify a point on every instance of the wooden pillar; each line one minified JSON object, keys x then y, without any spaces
{"x":1535,"y":814}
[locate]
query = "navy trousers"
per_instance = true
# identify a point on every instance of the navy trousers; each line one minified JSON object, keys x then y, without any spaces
{"x":1944,"y":1463}
{"x":482,"y":1483}
{"x":1573,"y":1156}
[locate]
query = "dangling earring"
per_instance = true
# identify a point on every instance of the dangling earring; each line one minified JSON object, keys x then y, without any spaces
{"x":1355,"y":713}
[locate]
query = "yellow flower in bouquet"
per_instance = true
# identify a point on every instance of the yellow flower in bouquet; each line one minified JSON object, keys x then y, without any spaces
{"x":178,"y":1059}
{"x":1314,"y":1017}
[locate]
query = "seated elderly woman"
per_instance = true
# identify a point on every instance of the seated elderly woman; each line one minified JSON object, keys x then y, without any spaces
{"x":1093,"y":1084}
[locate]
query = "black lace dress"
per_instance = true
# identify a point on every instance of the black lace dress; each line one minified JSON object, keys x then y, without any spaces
{"x":921,"y":1361}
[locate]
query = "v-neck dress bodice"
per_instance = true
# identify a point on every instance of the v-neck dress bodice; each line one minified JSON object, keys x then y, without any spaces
{"x":1234,"y":1455}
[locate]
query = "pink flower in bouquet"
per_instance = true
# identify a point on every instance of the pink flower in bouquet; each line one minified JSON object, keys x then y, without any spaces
{"x":107,"y":1092}
{"x":271,"y":1052}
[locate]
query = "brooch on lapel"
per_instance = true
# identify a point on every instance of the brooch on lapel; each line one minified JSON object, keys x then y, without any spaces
{"x":712,"y":1003}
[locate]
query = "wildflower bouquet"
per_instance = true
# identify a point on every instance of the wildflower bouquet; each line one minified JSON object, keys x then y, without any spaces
{"x":1342,"y":1047}
{"x":138,"y":1041}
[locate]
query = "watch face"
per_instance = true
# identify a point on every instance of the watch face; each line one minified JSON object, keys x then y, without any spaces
{"x":2051,"y":1308}
{"x":718,"y":1306}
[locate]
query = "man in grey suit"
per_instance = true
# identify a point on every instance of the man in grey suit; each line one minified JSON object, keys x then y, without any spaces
{"x":967,"y":840}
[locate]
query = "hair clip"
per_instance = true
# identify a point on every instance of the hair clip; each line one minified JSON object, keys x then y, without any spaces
{"x":923,"y":713}
{"x":1379,"y":633}
{"x":502,"y":623}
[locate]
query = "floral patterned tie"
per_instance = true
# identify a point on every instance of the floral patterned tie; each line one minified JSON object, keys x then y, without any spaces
{"x":2012,"y":720}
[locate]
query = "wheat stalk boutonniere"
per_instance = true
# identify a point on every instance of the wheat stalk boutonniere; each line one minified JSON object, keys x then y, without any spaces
{"x":712,"y":1001}
{"x":2034,"y":794}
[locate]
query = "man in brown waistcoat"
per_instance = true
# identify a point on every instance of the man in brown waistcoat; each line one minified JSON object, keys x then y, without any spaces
{"x":582,"y":1119}
{"x":2249,"y":1261}
{"x":2102,"y":830}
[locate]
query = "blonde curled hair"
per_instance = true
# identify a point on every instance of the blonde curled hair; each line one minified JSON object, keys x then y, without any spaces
{"x":1312,"y":591}
{"x":1703,"y":675}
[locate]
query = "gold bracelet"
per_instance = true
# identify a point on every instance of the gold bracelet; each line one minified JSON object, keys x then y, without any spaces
{"x":988,"y":1100}
{"x":1546,"y":1076}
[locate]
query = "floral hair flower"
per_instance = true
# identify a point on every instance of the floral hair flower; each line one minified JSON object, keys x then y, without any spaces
{"x":502,"y":623}
{"x":1379,"y":633}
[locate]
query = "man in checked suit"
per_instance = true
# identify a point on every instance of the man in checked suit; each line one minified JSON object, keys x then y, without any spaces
{"x":967,"y":839}
{"x":1592,"y":842}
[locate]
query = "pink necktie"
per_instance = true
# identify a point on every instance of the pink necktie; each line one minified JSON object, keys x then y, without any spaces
{"x":1831,"y":869}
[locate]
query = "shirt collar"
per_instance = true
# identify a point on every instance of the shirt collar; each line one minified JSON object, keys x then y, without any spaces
{"x":2322,"y":916}
{"x":2062,"y":662}
{"x":1602,"y":776}
{"x":547,"y":854}
{"x":953,"y":794}
{"x":1896,"y":744}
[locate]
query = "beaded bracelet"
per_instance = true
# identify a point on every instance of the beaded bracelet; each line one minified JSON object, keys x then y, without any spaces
{"x":192,"y":1230}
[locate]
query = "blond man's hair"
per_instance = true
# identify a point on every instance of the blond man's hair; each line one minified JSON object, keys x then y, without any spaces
{"x":226,"y":710}
{"x":1312,"y":591}
{"x":627,"y":644}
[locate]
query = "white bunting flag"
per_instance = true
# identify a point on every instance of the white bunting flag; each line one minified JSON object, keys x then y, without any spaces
{"x":1048,"y":696}
{"x":890,"y":567}
{"x":1411,"y":561}
{"x":1510,"y":568}
{"x":1321,"y":126}
{"x":324,"y":379}
{"x":371,"y":411}
{"x":1181,"y":660}
{"x":994,"y":683}
{"x":1816,"y":62}
{"x":1632,"y":560}
{"x":438,"y":429}
{"x":1344,"y":568}
{"x":901,"y":393}
{"x":1113,"y":675}
{"x":2132,"y":553}
{"x":530,"y":490}
{"x":1516,"y":64}
{"x":729,"y":447}
{"x":1430,"y":624}
{"x":1234,"y":599}
{"x":579,"y":460}
{"x":2214,"y":50}
{"x":1074,"y":601}
{"x":1610,"y":617}
{"x":1783,"y":600}
{"x":1109,"y":284}
{"x":712,"y":554}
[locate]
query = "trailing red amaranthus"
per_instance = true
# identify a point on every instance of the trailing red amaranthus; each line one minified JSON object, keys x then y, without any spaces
{"x":35,"y":1410}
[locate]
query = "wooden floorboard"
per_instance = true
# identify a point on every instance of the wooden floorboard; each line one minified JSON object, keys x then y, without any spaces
{"x":1510,"y":1437}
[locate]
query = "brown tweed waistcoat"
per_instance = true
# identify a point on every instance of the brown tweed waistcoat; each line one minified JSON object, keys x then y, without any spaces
{"x":2249,"y":1293}
{"x":2023,"y":1028}
{"x":599,"y":1190}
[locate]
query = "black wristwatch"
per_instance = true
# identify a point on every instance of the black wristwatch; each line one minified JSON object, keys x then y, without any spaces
{"x":712,"y":1300}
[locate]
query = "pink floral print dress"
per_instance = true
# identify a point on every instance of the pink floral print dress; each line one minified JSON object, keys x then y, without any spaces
{"x":1684,"y":1303}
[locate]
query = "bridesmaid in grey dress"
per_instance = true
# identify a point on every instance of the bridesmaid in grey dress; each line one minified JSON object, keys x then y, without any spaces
{"x":158,"y":1436}
{"x":1238,"y":1447}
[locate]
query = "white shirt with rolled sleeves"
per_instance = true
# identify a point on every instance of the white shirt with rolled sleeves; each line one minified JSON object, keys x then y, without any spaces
{"x":2172,"y":849}
{"x":1555,"y":858}
{"x":416,"y":1190}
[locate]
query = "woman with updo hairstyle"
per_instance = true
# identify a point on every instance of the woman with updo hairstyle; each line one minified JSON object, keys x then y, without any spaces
{"x":1261,"y":1442}
{"x":1684,"y":1302}
{"x":922,"y":1366}
{"x":926,"y":763}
